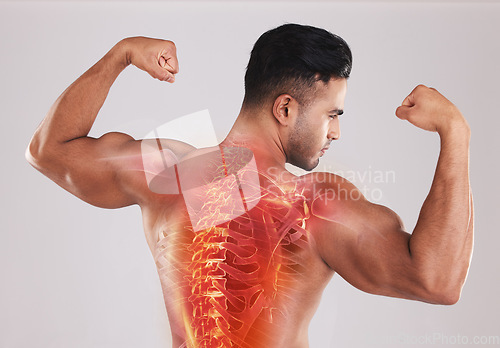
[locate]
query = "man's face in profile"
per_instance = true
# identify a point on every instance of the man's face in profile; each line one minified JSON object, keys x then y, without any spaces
{"x":317,"y":124}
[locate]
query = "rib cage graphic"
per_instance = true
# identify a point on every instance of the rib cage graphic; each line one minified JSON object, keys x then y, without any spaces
{"x":227,"y":280}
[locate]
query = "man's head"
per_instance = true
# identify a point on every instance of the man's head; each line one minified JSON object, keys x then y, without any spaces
{"x":299,"y":72}
{"x":290,"y":59}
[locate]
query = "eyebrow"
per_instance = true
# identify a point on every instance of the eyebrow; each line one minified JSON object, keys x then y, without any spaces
{"x":337,"y":111}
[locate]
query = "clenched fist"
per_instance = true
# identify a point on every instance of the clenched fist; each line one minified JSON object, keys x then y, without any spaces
{"x":428,"y":109}
{"x":155,"y":56}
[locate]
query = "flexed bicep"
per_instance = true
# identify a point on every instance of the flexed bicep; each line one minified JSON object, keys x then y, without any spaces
{"x":366,"y":244}
{"x":107,"y":171}
{"x":114,"y":170}
{"x":100,"y":171}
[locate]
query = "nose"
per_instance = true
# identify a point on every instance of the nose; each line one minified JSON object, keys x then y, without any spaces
{"x":334,"y":130}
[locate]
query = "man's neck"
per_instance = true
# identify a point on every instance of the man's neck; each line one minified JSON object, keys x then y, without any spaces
{"x":259,"y":133}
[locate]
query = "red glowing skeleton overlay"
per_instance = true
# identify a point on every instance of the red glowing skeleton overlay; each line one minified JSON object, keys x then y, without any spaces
{"x":228,"y":263}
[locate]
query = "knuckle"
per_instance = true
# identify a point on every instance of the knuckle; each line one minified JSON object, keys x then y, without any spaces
{"x":420,"y":87}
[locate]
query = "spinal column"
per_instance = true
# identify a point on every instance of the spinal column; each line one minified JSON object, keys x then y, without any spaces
{"x":235,"y":270}
{"x":241,"y":254}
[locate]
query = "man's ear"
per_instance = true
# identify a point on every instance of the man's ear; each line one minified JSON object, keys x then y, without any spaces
{"x":284,"y":109}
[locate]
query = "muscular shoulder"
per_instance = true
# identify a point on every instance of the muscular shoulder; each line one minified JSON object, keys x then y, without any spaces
{"x":332,"y":199}
{"x":336,"y":203}
{"x":328,"y":186}
{"x":143,"y":161}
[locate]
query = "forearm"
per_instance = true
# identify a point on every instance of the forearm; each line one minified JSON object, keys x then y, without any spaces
{"x":441,"y":243}
{"x":74,"y":112}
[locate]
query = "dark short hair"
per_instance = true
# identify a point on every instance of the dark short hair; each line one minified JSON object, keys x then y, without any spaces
{"x":290,"y":59}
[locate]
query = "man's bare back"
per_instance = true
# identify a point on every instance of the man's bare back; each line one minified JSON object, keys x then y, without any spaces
{"x":243,"y":248}
{"x":247,"y":279}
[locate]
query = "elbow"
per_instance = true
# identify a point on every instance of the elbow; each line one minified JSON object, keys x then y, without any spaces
{"x":443,"y":294}
{"x":36,"y":155}
{"x":447,"y":298}
{"x":32,"y":153}
{"x":443,"y":287}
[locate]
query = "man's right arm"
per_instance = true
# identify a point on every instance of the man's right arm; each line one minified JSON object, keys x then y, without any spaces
{"x":107,"y":171}
{"x":366,"y":243}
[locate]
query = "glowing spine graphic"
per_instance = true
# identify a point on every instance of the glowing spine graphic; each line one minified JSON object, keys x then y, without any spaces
{"x":235,"y":269}
{"x":226,"y":276}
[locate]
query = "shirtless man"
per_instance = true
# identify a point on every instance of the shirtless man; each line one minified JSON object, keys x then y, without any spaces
{"x":244,"y":248}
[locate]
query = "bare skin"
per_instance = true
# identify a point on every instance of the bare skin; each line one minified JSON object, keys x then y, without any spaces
{"x":365,"y":243}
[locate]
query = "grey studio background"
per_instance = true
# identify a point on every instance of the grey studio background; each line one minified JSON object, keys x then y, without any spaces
{"x":73,"y":275}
